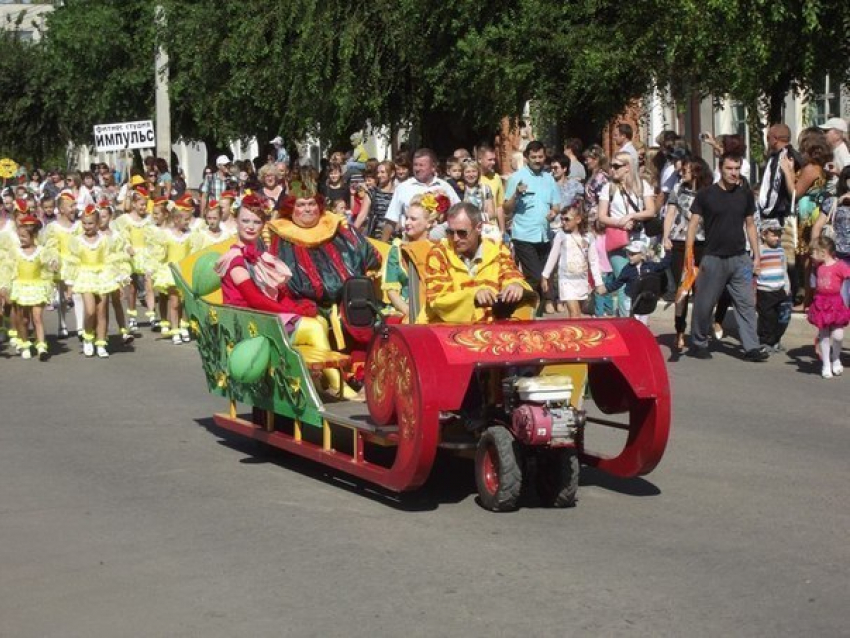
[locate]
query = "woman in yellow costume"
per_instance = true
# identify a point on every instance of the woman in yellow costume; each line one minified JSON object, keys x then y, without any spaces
{"x":93,"y":272}
{"x":58,"y":236}
{"x":172,"y":246}
{"x":134,"y":229}
{"x":26,"y":280}
{"x":254,"y":278}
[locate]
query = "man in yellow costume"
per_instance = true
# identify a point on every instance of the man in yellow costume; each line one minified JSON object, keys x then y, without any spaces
{"x":468,"y":276}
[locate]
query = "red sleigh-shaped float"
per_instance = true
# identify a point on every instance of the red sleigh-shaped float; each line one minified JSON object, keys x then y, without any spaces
{"x":521,"y":395}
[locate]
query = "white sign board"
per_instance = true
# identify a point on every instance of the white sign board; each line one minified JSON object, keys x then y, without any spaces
{"x":124,"y":135}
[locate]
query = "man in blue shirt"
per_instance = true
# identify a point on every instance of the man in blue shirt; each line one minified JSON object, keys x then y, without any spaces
{"x":533,"y":199}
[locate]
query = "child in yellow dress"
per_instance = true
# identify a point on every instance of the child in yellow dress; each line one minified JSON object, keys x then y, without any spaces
{"x":58,"y":236}
{"x":227,"y":201}
{"x":8,"y":240}
{"x":92,"y":272}
{"x":120,"y":256}
{"x":175,"y":245}
{"x":26,"y":280}
{"x":133,"y":227}
{"x":212,"y":231}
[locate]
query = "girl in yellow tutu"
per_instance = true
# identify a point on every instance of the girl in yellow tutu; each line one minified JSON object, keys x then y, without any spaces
{"x":133,"y":228}
{"x":26,"y":280}
{"x":58,"y":236}
{"x":92,"y":273}
{"x":8,"y":240}
{"x":211,"y":232}
{"x":175,"y":244}
{"x":120,"y":257}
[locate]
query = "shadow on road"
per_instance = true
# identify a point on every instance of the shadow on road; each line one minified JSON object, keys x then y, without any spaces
{"x":632,"y":486}
{"x":452,"y":478}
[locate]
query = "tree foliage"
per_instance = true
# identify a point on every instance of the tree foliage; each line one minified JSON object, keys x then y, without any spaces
{"x":28,"y":130}
{"x":298,"y":67}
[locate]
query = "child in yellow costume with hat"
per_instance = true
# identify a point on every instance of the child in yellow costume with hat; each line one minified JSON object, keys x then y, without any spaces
{"x":93,"y":271}
{"x":172,"y":246}
{"x":26,"y":280}
{"x":57,"y":236}
{"x":134,"y":227}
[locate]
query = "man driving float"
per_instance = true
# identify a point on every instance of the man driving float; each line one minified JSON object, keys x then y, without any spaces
{"x":468,"y":276}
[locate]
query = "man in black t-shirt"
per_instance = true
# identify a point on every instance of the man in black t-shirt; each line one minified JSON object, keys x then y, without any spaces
{"x":725,"y":210}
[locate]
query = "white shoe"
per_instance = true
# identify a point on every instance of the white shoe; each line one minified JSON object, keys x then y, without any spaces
{"x":184,"y":335}
{"x":26,"y":353}
{"x":102,"y":353}
{"x":826,"y":373}
{"x":837,"y":368}
{"x":127,"y":338}
{"x":718,"y":331}
{"x":176,"y":340}
{"x":88,"y":348}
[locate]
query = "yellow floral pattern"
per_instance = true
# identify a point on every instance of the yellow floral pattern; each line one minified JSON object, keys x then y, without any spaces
{"x":529,"y":340}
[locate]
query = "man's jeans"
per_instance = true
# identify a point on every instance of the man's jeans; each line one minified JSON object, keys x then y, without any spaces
{"x":734,"y":274}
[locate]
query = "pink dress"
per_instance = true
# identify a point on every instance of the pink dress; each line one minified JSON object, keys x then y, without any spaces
{"x":828,"y":309}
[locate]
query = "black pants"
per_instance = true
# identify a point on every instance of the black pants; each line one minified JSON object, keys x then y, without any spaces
{"x":531,"y":257}
{"x":769,"y":309}
{"x":677,"y":266}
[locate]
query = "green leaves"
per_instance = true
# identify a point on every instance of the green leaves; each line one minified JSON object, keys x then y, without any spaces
{"x":298,"y":67}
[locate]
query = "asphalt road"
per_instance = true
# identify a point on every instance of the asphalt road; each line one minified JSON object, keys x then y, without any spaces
{"x":125,"y":512}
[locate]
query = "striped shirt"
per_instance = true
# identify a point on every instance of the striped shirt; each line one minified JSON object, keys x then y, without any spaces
{"x":773,"y":269}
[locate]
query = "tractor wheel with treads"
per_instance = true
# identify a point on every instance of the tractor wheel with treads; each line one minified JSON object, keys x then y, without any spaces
{"x":557,"y":477}
{"x":498,"y":470}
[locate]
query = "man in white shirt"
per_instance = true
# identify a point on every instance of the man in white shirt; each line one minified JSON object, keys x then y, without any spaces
{"x":424,"y":180}
{"x":622,"y":136}
{"x":835,"y":129}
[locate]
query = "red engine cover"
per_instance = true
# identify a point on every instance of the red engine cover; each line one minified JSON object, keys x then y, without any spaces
{"x":532,"y":424}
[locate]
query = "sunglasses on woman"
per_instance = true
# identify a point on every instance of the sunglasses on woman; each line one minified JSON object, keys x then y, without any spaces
{"x":617,"y":165}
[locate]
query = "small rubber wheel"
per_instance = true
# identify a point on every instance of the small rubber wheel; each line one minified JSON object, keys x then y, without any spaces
{"x":557,"y":477}
{"x":498,"y":474}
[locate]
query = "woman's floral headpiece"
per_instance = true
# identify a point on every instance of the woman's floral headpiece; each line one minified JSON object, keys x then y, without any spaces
{"x":436,"y":204}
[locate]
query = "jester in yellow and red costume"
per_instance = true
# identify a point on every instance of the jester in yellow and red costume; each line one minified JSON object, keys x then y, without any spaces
{"x":322,"y":257}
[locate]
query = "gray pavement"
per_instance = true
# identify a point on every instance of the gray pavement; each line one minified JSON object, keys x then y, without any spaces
{"x":125,"y":512}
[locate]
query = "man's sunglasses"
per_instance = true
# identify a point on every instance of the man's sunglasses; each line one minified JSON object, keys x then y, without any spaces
{"x":460,"y":234}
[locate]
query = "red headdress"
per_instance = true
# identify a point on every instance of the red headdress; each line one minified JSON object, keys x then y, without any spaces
{"x":29,"y":221}
{"x":21,"y":205}
{"x":104,"y":204}
{"x":185,"y":203}
{"x":66,"y":194}
{"x":160,"y":200}
{"x":141,"y":191}
{"x":231,"y":195}
{"x":89,"y":210}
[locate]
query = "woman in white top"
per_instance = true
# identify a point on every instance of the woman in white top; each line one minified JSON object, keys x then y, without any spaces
{"x":625,"y":203}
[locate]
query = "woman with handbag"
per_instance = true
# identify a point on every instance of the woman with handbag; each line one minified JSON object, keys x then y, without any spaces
{"x":806,"y":187}
{"x":695,"y":175}
{"x":625,"y":206}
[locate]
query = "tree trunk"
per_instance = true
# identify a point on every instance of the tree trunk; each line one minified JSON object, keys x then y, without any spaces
{"x":776,"y":103}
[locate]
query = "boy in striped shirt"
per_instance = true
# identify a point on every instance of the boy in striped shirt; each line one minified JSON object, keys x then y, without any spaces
{"x":772,"y":285}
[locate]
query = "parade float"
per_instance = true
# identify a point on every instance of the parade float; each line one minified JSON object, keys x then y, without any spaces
{"x":520,"y":397}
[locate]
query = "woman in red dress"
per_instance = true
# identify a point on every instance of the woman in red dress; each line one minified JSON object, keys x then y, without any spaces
{"x":254,"y":278}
